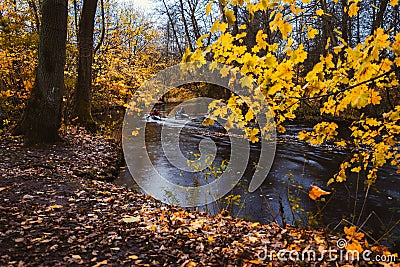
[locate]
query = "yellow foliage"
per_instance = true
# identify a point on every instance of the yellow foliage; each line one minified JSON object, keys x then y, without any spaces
{"x":345,"y":82}
{"x":353,"y":10}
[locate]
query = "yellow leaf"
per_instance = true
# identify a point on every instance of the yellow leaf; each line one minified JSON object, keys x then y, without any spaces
{"x":135,"y":132}
{"x":246,"y":81}
{"x":352,"y":234}
{"x":249,"y":115}
{"x":394,"y":2}
{"x":328,"y":41}
{"x":311,"y":32}
{"x":375,"y":98}
{"x":353,"y":10}
{"x":303,"y":135}
{"x":200,"y":40}
{"x":53,"y":207}
{"x":252,"y":134}
{"x":255,"y":224}
{"x":316,"y":192}
{"x":208,"y":8}
{"x":260,"y":39}
{"x":208,"y":122}
{"x":372,"y":122}
{"x":359,"y":98}
{"x":230,"y":16}
{"x":255,"y":262}
{"x":190,"y":264}
{"x":133,"y":257}
{"x":354,"y":246}
{"x":253,"y":239}
{"x":319,"y":12}
{"x":103,"y":262}
{"x":285,"y":29}
{"x":341,"y":143}
{"x":228,"y":124}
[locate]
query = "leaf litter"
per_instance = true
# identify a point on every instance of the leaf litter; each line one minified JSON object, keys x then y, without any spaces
{"x":58,"y":208}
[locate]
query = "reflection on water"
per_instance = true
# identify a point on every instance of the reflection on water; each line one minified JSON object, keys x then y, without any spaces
{"x":296,"y":166}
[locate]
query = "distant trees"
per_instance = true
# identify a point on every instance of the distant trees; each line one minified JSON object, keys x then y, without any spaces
{"x":185,"y":24}
{"x":109,"y":52}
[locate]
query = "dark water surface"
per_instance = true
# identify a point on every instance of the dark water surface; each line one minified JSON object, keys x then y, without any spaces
{"x":297,"y":165}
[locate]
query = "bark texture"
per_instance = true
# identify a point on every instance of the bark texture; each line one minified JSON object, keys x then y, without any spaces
{"x":82,"y":107}
{"x":42,"y":116}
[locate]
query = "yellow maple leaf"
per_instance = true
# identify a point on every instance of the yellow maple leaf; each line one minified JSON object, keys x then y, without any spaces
{"x":311,"y":32}
{"x":303,"y":135}
{"x":372,"y":122}
{"x":359,"y":97}
{"x":246,"y":81}
{"x":249,"y":115}
{"x":208,"y":8}
{"x":208,"y":122}
{"x":319,"y":12}
{"x":394,"y":2}
{"x":135,"y":132}
{"x":354,"y":246}
{"x":252,"y":134}
{"x":352,"y":234}
{"x":230,"y":16}
{"x":285,"y":29}
{"x":353,"y":10}
{"x":260,"y":39}
{"x":316,"y":192}
{"x":375,"y":98}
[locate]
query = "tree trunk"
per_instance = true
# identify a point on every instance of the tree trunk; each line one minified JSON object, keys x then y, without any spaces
{"x":345,"y":17}
{"x":378,"y":19}
{"x":185,"y":25}
{"x":173,"y":28}
{"x":82,"y":107}
{"x":42,"y":116}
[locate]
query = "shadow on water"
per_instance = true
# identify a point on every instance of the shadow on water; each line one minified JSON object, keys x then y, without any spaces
{"x":297,"y":165}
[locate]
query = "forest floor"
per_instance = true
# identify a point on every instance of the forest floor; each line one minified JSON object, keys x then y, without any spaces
{"x":58,"y":209}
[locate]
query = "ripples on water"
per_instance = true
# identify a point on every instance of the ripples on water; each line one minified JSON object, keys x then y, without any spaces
{"x":296,"y":163}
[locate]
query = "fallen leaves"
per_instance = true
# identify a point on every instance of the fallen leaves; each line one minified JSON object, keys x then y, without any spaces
{"x":53,"y":216}
{"x":316,"y":192}
{"x":53,"y":207}
{"x":131,"y":219}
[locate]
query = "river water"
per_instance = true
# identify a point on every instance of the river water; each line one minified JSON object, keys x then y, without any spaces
{"x":283,"y":197}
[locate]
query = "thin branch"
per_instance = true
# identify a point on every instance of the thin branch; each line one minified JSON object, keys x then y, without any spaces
{"x":348,"y":88}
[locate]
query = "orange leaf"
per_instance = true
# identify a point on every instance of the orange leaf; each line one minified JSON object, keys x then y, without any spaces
{"x":316,"y":192}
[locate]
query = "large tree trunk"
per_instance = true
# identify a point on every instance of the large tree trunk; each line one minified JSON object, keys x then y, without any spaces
{"x":42,"y":116}
{"x":82,"y":106}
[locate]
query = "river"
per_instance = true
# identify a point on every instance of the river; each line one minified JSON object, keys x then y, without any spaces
{"x":296,"y":166}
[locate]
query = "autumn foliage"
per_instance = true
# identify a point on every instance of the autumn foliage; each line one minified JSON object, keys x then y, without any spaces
{"x":356,"y":83}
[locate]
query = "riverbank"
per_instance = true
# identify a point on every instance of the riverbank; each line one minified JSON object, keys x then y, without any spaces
{"x":58,"y":209}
